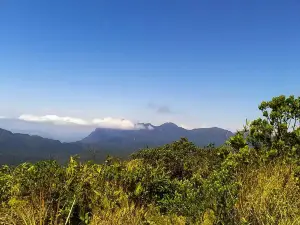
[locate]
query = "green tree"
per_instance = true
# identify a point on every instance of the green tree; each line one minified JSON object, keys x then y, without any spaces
{"x":277,"y":132}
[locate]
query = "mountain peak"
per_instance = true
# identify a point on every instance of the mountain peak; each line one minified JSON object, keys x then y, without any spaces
{"x":168,"y":125}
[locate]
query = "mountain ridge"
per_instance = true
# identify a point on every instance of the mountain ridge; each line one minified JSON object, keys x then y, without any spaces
{"x":157,"y":135}
{"x":18,"y":147}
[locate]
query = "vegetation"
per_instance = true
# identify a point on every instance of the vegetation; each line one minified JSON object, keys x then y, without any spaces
{"x":16,"y":148}
{"x":252,"y":179}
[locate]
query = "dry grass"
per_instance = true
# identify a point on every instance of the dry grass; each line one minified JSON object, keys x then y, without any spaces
{"x":24,"y":213}
{"x":135,"y":216}
{"x":269,"y":195}
{"x":28,"y":213}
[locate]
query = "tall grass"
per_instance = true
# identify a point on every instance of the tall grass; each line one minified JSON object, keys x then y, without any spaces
{"x":269,"y":195}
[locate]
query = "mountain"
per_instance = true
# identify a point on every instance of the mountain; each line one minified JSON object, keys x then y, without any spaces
{"x":63,"y":133}
{"x":16,"y":148}
{"x":124,"y":142}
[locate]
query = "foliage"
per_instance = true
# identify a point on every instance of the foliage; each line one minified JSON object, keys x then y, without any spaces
{"x":278,"y":132}
{"x":252,"y":179}
{"x":269,"y":195}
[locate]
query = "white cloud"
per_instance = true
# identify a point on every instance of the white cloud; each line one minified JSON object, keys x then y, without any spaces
{"x":150,"y":127}
{"x":139,"y":126}
{"x":194,"y":127}
{"x":186,"y":127}
{"x":109,"y":122}
{"x":54,"y":119}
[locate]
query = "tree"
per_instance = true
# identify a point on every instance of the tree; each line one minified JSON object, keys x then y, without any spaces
{"x":277,"y":132}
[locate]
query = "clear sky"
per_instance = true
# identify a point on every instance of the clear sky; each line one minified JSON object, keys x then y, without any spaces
{"x":196,"y":63}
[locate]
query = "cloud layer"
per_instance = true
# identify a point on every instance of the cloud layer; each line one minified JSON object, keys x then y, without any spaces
{"x":54,"y":119}
{"x":107,"y":122}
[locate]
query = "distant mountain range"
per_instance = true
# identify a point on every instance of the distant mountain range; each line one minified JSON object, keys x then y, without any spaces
{"x":126,"y":141}
{"x":16,"y":147}
{"x":63,"y":133}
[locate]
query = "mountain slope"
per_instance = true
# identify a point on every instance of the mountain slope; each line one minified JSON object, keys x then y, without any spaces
{"x":127,"y":141}
{"x":16,"y":148}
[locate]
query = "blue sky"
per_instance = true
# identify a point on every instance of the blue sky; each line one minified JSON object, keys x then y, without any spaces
{"x":196,"y":63}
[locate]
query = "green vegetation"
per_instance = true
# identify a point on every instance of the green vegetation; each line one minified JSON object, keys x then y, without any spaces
{"x":252,"y":179}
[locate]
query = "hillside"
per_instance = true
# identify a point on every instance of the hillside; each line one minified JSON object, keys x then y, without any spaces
{"x":16,"y":148}
{"x":127,"y":141}
{"x":173,"y":184}
{"x":252,"y":179}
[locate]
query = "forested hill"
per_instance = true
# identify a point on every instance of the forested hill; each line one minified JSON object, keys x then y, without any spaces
{"x":17,"y":148}
{"x":129,"y":141}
